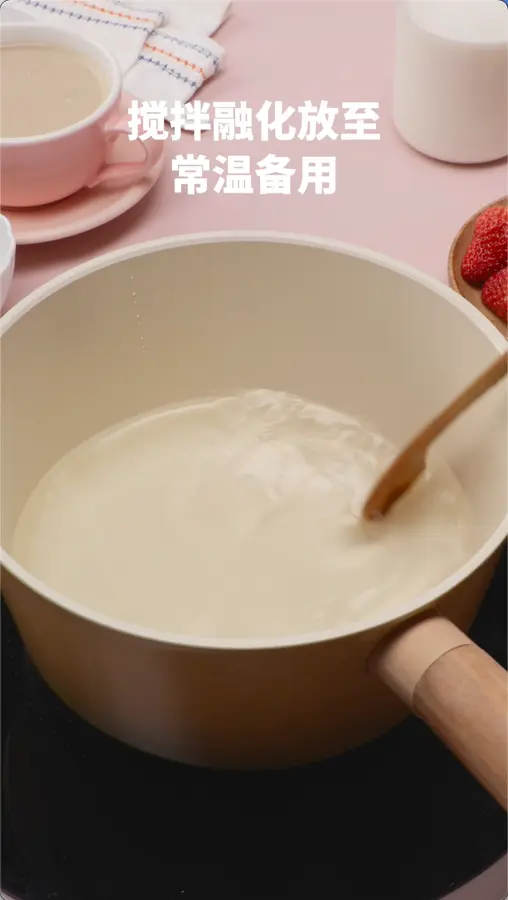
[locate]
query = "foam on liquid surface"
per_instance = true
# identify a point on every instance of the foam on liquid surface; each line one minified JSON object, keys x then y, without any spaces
{"x":238,"y":517}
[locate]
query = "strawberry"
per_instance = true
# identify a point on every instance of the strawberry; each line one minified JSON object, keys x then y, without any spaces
{"x":495,"y":294}
{"x":487,"y":252}
{"x":491,"y":218}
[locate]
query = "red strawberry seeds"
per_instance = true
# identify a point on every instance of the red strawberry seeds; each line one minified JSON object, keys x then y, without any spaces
{"x":487,"y":252}
{"x":491,"y":218}
{"x":495,"y":294}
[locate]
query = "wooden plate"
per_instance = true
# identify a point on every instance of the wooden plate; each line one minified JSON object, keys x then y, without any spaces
{"x":455,"y":257}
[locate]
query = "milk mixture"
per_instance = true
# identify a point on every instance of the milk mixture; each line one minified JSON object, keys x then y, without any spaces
{"x":238,"y":517}
{"x":45,"y":87}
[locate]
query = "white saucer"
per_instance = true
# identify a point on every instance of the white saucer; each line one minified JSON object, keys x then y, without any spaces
{"x":90,"y":207}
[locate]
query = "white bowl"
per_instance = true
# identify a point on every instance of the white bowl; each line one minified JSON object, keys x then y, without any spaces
{"x":7,"y":258}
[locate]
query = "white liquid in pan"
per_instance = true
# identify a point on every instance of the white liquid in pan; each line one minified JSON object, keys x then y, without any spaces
{"x":238,"y":518}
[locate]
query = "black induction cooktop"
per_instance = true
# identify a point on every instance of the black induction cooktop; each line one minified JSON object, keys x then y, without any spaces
{"x":85,"y":818}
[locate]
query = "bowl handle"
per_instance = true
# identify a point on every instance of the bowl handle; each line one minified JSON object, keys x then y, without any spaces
{"x":456,"y":688}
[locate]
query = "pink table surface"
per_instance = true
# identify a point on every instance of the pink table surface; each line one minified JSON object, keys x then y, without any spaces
{"x":388,"y":198}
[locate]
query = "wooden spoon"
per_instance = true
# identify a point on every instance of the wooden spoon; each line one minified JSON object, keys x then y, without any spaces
{"x":411,"y":461}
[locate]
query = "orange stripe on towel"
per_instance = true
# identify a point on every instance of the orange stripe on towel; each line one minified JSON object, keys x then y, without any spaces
{"x":112,"y":12}
{"x":184,"y":62}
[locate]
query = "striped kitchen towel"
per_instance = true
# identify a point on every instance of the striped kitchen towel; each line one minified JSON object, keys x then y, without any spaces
{"x":173,"y":66}
{"x":158,"y":62}
{"x":199,"y":17}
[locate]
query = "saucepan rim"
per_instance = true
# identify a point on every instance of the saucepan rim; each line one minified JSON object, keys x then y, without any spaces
{"x":190,"y":641}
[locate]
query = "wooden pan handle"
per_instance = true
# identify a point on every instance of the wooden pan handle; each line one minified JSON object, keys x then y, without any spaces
{"x":457,"y":689}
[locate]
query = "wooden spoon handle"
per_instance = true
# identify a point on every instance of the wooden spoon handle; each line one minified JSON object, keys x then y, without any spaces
{"x":476,"y":389}
{"x":457,"y":689}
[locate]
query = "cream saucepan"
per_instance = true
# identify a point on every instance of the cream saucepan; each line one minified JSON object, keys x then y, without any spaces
{"x":341,"y":326}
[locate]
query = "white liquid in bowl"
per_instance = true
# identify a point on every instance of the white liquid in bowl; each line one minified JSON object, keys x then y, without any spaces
{"x":238,"y":517}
